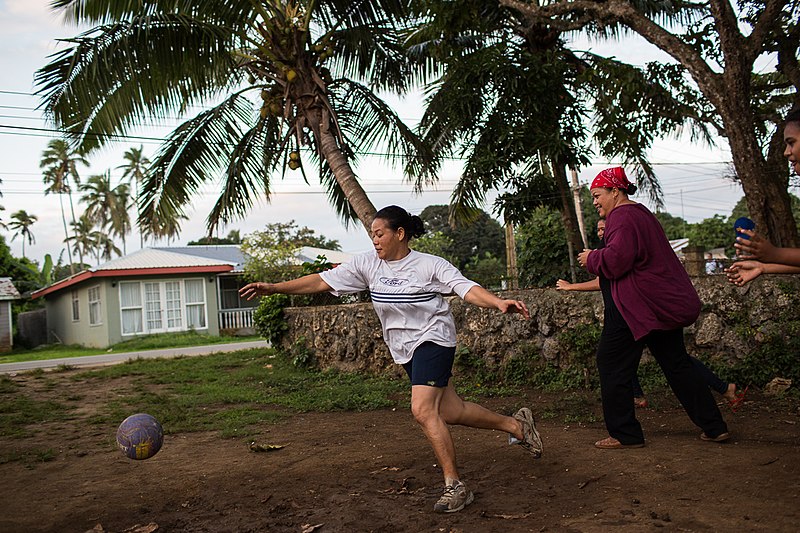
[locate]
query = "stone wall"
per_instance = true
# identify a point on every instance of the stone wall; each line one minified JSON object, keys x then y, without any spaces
{"x":733,"y":322}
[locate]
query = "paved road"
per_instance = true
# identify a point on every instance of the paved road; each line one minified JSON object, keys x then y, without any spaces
{"x":114,"y":358}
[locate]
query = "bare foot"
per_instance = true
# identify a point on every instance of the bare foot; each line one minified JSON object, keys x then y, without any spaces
{"x":640,"y":402}
{"x":730,"y":393}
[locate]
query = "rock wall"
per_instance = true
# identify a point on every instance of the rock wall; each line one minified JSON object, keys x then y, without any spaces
{"x":733,"y":322}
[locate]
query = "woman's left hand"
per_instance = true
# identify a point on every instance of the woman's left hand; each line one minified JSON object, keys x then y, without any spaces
{"x":584,"y":256}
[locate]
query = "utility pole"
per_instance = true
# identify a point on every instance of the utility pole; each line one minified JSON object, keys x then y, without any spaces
{"x":511,"y":257}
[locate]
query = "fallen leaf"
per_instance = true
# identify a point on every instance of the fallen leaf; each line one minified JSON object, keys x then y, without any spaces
{"x":265,"y":447}
{"x":308,"y":528}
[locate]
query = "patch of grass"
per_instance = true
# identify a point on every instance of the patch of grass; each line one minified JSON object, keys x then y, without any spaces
{"x":28,"y":457}
{"x":234,"y":392}
{"x":18,"y":411}
{"x":139,"y":344}
{"x":7,"y":385}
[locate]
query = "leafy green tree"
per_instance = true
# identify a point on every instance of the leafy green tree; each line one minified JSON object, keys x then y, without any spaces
{"x":714,"y":232}
{"x":716,"y":45}
{"x":21,"y":222}
{"x":134,"y":171}
{"x":471,"y":238}
{"x":542,"y":257}
{"x":233,"y":238}
{"x":436,"y":243}
{"x":674,"y":227}
{"x":272,"y":252}
{"x":488,"y":270}
{"x":519,"y":105}
{"x":24,"y":274}
{"x":316,"y":65}
{"x":105,"y":247}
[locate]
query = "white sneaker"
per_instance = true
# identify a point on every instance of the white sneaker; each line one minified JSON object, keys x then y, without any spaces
{"x":455,"y":497}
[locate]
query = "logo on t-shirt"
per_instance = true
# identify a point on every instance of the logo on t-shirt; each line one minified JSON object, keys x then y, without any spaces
{"x":394,"y":282}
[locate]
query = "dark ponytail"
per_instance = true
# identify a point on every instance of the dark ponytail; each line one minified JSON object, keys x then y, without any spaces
{"x":396,"y":217}
{"x":631,"y":189}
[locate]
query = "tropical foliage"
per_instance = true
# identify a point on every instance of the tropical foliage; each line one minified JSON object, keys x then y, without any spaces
{"x":716,"y":47}
{"x":295,"y":82}
{"x":272,"y":252}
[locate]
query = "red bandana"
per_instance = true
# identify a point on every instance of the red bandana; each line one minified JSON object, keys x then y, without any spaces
{"x":611,"y":178}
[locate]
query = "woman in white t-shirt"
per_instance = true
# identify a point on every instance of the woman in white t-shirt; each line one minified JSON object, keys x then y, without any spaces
{"x":407,"y":290}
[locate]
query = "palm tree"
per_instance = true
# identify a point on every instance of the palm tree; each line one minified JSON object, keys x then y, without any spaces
{"x":134,"y":171}
{"x":21,"y":222}
{"x":99,"y":199}
{"x":107,"y":207}
{"x":168,"y":227}
{"x":316,"y":65}
{"x":60,"y":165}
{"x":120,"y":223}
{"x":84,"y":238}
{"x":105,"y":248}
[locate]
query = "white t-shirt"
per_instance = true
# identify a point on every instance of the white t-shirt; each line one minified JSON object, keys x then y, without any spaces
{"x":407,"y":296}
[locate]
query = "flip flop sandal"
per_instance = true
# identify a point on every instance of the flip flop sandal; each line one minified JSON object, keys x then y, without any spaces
{"x":737,"y":402}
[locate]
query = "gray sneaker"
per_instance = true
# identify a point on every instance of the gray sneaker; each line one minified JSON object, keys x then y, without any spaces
{"x":531,"y":440}
{"x":455,"y":497}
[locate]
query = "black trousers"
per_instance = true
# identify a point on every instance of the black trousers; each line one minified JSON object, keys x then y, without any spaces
{"x":618,"y":356}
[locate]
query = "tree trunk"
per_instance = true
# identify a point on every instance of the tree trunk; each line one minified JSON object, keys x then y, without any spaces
{"x":347,"y":179}
{"x":568,"y":216}
{"x":765,"y":186}
{"x":66,"y":233}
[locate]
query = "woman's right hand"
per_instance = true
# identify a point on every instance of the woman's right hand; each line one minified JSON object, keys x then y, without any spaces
{"x":259,"y":288}
{"x":563,"y":285}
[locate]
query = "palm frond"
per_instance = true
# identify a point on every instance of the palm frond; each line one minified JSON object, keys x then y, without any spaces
{"x":195,"y":153}
{"x":247,"y":177}
{"x":115,"y":76}
{"x":369,"y":123}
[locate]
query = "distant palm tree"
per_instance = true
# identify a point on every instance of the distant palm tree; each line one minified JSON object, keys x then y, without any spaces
{"x":134,"y":171}
{"x":84,"y":238}
{"x":105,"y":247}
{"x":107,"y":207}
{"x":60,"y":165}
{"x":120,"y":224}
{"x":168,"y":227}
{"x":21,"y":222}
{"x":99,"y":199}
{"x":318,"y":66}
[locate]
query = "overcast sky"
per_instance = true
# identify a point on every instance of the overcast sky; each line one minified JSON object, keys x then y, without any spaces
{"x":691,"y":176}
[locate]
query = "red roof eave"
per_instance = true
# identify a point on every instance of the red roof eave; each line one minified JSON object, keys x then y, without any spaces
{"x":87,"y":274}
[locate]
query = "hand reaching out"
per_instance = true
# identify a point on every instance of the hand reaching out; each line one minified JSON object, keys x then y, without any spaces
{"x":743,"y":272}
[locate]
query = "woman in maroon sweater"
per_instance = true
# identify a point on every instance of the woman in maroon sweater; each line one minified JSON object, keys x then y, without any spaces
{"x":648,"y":299}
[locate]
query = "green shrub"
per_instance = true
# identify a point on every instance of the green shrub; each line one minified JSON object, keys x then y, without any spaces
{"x":268,"y":319}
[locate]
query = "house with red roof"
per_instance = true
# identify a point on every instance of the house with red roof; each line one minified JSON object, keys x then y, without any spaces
{"x":155,"y":290}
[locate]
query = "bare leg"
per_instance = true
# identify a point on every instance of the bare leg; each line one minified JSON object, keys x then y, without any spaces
{"x":434,"y":408}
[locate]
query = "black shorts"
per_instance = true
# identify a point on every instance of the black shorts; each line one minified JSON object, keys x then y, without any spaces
{"x":431,"y":365}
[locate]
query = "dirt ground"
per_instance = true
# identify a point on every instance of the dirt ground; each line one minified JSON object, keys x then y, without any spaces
{"x":374,"y":471}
